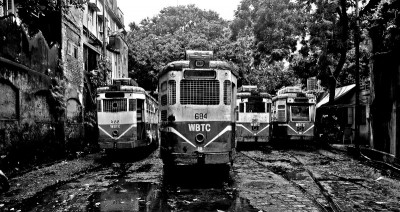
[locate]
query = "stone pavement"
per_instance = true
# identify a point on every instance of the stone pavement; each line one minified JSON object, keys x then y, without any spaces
{"x":267,"y":191}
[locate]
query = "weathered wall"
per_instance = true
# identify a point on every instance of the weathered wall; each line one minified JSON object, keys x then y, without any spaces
{"x":27,"y":127}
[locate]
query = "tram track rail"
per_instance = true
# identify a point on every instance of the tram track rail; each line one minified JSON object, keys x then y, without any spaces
{"x":333,"y":206}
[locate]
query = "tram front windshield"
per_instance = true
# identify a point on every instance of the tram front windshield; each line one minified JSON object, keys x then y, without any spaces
{"x":300,"y":113}
{"x":255,"y":106}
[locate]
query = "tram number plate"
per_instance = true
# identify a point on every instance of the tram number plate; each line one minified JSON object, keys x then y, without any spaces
{"x":200,"y":115}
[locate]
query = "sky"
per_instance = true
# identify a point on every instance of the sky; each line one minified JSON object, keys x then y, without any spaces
{"x":137,"y":10}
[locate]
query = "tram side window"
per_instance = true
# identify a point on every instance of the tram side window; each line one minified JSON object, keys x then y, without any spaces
{"x":281,"y":113}
{"x":171,"y":92}
{"x":241,"y":107}
{"x":227,"y":92}
{"x":163,"y":86}
{"x":132,"y":104}
{"x":139,"y":111}
{"x":98,"y":105}
{"x":268,"y":107}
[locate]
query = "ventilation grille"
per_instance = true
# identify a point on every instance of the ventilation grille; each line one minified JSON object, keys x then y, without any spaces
{"x":199,"y":92}
{"x":171,"y":92}
{"x":164,"y":100}
{"x":227,"y":92}
{"x":114,"y":105}
{"x":163,"y":115}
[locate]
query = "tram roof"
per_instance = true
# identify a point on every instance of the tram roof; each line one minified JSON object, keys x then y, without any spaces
{"x":180,"y":65}
{"x":250,"y":94}
{"x":122,"y":88}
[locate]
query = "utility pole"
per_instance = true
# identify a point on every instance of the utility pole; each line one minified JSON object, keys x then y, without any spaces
{"x":104,"y":42}
{"x":357,"y":76}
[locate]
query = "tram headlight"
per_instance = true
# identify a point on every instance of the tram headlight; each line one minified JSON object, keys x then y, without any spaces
{"x":199,"y":138}
{"x":115,"y":133}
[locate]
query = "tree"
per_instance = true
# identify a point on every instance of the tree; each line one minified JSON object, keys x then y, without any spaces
{"x":38,"y":15}
{"x":268,"y":32}
{"x":164,"y":38}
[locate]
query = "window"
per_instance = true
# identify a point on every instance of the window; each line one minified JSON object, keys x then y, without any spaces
{"x":255,"y":106}
{"x":163,"y":86}
{"x":241,"y":107}
{"x":350,"y":115}
{"x":72,"y":49}
{"x":171,"y":92}
{"x":132,"y":104}
{"x":75,"y":52}
{"x":227,"y":92}
{"x":300,"y":113}
{"x":98,"y":105}
{"x":363,"y":112}
{"x":268,"y":107}
{"x":281,"y":113}
{"x":114,"y":105}
{"x":164,"y":100}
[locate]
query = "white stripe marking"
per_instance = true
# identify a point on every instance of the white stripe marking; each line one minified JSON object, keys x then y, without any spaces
{"x":105,"y":132}
{"x":240,"y":125}
{"x":119,"y":136}
{"x":227,"y":128}
{"x":173,"y":130}
{"x":262,"y":129}
{"x":309,"y":129}
{"x":296,"y":131}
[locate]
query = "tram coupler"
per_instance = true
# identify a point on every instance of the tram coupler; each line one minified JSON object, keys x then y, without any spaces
{"x":201,"y":159}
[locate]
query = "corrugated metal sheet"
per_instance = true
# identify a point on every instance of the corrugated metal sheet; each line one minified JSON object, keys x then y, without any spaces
{"x":339,"y":92}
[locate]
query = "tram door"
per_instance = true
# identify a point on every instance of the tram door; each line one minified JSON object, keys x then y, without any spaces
{"x":140,"y":119}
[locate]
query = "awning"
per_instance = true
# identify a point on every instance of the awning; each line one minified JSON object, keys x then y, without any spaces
{"x":339,"y":92}
{"x":92,"y":48}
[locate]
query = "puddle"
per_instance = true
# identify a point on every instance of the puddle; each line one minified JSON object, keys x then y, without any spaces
{"x":126,"y":196}
{"x":145,"y":197}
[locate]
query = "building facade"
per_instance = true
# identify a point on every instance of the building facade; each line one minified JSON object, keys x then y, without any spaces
{"x":45,"y":69}
{"x":104,"y":39}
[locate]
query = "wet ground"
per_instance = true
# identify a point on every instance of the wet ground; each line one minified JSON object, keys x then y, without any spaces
{"x":277,"y":180}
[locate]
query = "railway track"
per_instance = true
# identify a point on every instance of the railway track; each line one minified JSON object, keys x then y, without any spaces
{"x":333,"y":206}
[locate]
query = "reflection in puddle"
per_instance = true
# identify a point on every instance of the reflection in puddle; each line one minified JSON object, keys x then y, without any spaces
{"x":126,"y":196}
{"x":144,"y":196}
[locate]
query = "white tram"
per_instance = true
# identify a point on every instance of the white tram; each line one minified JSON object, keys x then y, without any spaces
{"x":293,"y":115}
{"x":127,"y":116}
{"x":253,"y":118}
{"x":197,"y":110}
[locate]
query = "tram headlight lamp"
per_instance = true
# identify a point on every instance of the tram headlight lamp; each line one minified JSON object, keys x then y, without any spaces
{"x":115,"y":133}
{"x":199,"y":138}
{"x":290,"y":100}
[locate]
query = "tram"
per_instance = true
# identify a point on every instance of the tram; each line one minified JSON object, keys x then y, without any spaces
{"x":197,"y":110}
{"x":293,"y":115}
{"x":127,"y":116}
{"x":253,"y":118}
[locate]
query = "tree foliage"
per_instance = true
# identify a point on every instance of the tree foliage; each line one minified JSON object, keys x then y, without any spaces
{"x":165,"y":37}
